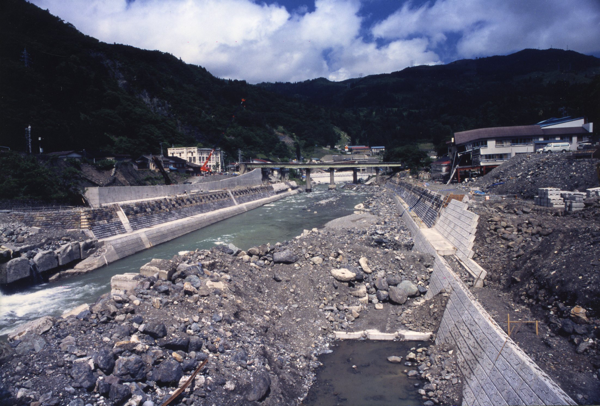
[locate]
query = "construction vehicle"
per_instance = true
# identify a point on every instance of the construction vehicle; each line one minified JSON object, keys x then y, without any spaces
{"x":205,"y":167}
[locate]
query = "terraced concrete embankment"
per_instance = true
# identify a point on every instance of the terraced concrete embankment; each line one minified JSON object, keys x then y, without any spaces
{"x":99,"y":196}
{"x":118,"y":230}
{"x":125,"y":229}
{"x":495,"y":369}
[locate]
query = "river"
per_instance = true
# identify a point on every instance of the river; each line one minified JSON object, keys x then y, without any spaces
{"x":278,"y":221}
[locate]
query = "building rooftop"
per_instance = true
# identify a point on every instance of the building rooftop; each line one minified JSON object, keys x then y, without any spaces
{"x":554,"y":121}
{"x":465,"y":137}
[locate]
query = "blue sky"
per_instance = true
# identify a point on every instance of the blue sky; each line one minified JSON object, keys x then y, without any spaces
{"x":296,"y":40}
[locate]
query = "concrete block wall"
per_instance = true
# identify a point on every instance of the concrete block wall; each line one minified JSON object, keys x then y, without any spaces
{"x":152,"y":212}
{"x":98,"y":196}
{"x":63,"y":219}
{"x":246,"y":195}
{"x":121,"y":246}
{"x":126,"y":217}
{"x":105,"y":222}
{"x":425,"y":203}
{"x":458,"y":225}
{"x":495,"y":370}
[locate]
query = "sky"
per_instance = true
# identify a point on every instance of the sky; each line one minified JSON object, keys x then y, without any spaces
{"x":297,"y":40}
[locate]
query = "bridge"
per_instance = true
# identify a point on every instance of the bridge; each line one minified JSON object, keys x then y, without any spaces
{"x":328,"y":166}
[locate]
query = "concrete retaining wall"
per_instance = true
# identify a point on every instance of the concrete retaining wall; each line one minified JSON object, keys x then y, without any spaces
{"x":425,"y":203}
{"x":121,"y":246}
{"x":98,"y":196}
{"x":495,"y":369}
{"x":121,"y":218}
{"x":63,"y":219}
{"x":459,"y":225}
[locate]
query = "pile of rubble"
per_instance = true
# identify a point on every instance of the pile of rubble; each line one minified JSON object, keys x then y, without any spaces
{"x":437,"y":366}
{"x":524,"y":174}
{"x":30,"y":253}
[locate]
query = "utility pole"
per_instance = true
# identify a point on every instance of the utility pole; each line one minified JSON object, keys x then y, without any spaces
{"x":28,"y":139}
{"x":25,"y":58}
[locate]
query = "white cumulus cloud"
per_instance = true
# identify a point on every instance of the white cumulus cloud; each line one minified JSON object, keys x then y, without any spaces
{"x":491,"y":27}
{"x":255,"y":41}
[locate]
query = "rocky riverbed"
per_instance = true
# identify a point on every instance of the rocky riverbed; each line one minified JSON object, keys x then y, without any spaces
{"x":259,"y":319}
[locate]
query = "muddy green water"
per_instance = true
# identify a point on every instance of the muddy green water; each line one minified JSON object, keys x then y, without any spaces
{"x":278,"y":221}
{"x":358,"y":373}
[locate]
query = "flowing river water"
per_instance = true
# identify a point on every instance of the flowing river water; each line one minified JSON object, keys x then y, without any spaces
{"x":278,"y":221}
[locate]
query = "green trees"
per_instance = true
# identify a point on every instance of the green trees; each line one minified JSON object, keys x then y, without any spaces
{"x":25,"y":177}
{"x":409,"y":155}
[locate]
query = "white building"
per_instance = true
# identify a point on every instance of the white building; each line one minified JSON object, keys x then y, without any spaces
{"x":492,"y":146}
{"x":198,"y":156}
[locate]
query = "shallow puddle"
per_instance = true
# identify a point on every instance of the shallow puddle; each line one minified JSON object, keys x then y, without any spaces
{"x":358,"y":373}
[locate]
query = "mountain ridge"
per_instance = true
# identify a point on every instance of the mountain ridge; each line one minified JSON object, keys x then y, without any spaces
{"x":80,"y":93}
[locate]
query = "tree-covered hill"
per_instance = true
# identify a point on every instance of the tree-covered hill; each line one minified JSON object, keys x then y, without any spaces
{"x":77,"y":92}
{"x":432,"y":102}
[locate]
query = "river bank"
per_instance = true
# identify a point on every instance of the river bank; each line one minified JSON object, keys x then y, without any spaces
{"x":277,"y":221}
{"x":261,"y":318}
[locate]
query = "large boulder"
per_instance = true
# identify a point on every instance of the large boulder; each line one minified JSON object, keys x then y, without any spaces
{"x":284,"y":257}
{"x":37,"y":326}
{"x":409,"y":288}
{"x":155,"y":330}
{"x":360,"y":291}
{"x":162,"y":268}
{"x":343,"y":275}
{"x":105,"y":360}
{"x":364,"y":263}
{"x":82,"y":375}
{"x":397,"y":295}
{"x":261,"y":382}
{"x":68,"y":253}
{"x":124,"y":282}
{"x":14,"y":270}
{"x":5,"y":254}
{"x":45,"y":261}
{"x":130,"y":368}
{"x":169,"y":372}
{"x":381,"y":283}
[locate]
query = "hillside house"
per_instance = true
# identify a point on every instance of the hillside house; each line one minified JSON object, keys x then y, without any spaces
{"x":359,"y":149}
{"x":147,"y":162}
{"x":379,"y":150}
